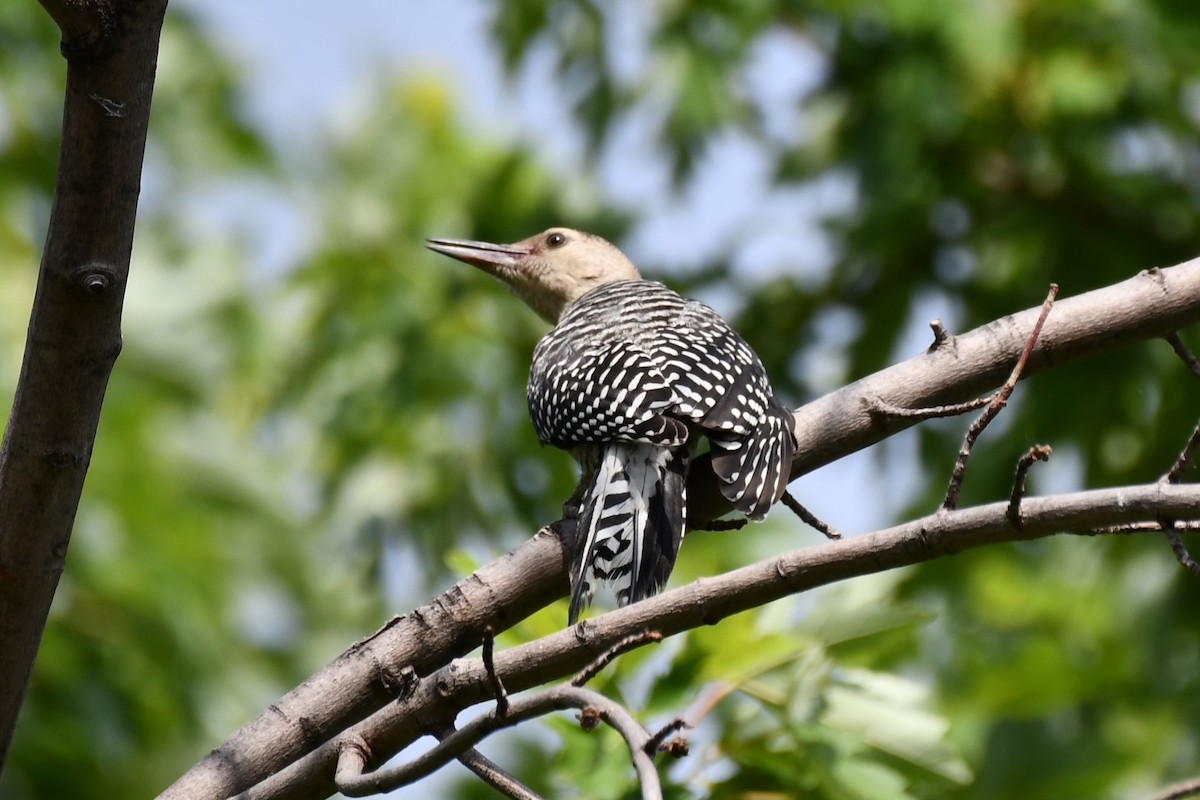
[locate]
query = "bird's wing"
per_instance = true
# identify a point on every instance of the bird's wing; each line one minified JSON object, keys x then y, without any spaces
{"x":611,"y":391}
{"x":723,"y":387}
{"x":719,"y":380}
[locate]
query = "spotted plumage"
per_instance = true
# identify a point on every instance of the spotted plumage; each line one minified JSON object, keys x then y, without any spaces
{"x":628,"y":380}
{"x":633,"y":361}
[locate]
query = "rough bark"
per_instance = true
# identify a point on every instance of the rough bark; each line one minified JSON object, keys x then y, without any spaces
{"x":74,"y":333}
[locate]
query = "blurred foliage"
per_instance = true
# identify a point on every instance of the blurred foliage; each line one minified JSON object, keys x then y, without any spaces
{"x":286,"y":457}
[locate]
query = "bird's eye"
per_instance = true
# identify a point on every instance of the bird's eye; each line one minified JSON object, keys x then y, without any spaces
{"x":556,"y":240}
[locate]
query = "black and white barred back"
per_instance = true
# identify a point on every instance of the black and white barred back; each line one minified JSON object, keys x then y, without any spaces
{"x":624,"y":380}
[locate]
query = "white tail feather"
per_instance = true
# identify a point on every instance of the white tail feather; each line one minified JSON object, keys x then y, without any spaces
{"x":631,"y":522}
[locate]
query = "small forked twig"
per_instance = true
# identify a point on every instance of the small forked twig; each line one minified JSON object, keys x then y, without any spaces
{"x":604,"y":659}
{"x":489,"y":664}
{"x":998,"y":401}
{"x":809,"y":518}
{"x":1039,"y":452}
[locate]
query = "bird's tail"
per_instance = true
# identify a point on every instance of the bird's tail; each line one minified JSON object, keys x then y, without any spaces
{"x":755,"y":469}
{"x":631,"y":521}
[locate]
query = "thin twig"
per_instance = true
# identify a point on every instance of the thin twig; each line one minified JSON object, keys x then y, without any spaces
{"x":1183,"y":352}
{"x":1189,"y":450}
{"x":941,"y":336}
{"x":717,"y":524}
{"x":878,"y":405}
{"x":489,"y":663}
{"x":495,"y":776}
{"x":1175,"y":791}
{"x":353,"y":782}
{"x":999,"y":400}
{"x":1143,"y":527}
{"x":1178,"y":548}
{"x":489,"y":771}
{"x":1175,"y":473}
{"x":1039,"y":452}
{"x":809,"y":518}
{"x":592,"y":669}
{"x":656,"y":742}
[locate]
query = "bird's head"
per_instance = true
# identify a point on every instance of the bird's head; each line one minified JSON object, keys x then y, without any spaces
{"x":548,"y":271}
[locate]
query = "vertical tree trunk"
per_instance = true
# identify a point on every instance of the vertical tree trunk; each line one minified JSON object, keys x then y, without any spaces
{"x":111,"y":47}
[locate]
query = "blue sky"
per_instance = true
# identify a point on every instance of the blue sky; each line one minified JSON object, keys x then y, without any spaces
{"x":309,"y":63}
{"x":312,"y":66}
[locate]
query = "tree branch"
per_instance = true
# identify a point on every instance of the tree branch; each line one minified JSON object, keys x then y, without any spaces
{"x":353,"y":781}
{"x":369,"y":674}
{"x":491,"y":774}
{"x":489,"y":650}
{"x":355,"y":753}
{"x":1153,"y":304}
{"x":995,"y":405}
{"x":465,"y":682}
{"x":1039,"y":452}
{"x":630,"y":642}
{"x":75,"y":325}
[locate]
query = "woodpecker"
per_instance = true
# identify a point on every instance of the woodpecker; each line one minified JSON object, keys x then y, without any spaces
{"x":628,"y":380}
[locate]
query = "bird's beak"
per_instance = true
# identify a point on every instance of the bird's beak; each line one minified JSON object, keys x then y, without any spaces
{"x":495,"y":259}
